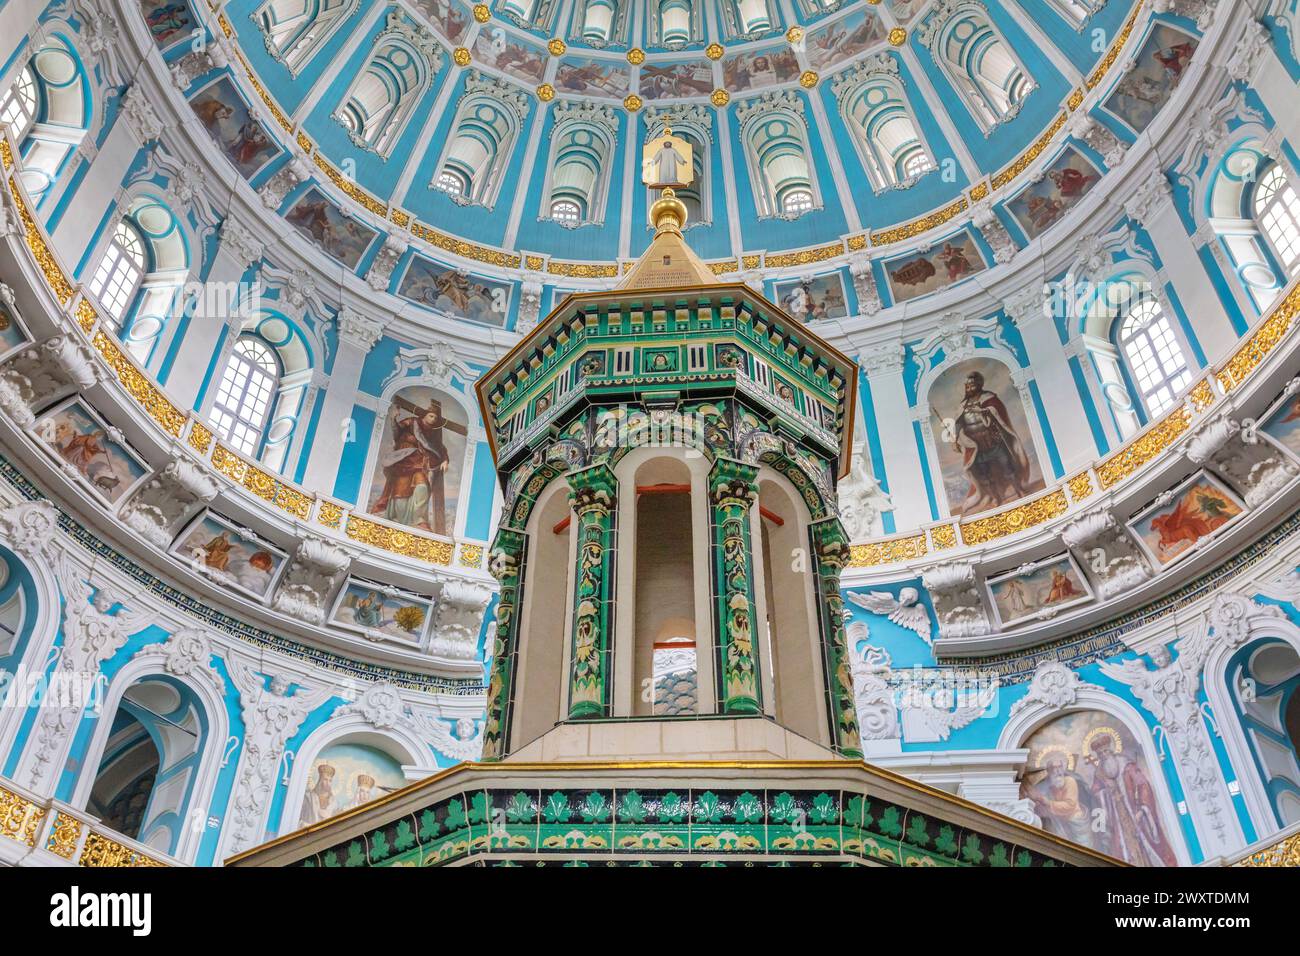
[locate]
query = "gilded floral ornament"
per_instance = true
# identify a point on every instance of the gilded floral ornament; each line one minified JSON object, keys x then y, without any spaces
{"x":482,"y":13}
{"x":632,"y":102}
{"x":556,"y":47}
{"x":794,"y":34}
{"x":546,"y":92}
{"x":808,"y":79}
{"x":897,"y":36}
{"x":720,"y":98}
{"x":461,"y":56}
{"x":713,"y":51}
{"x":636,"y":56}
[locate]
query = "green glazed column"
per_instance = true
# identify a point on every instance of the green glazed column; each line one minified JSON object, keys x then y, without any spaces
{"x":732,"y":489}
{"x":831,"y":547}
{"x":506,"y":562}
{"x":593,"y":493}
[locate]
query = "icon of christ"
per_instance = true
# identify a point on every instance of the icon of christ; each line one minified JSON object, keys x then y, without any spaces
{"x":414,"y":466}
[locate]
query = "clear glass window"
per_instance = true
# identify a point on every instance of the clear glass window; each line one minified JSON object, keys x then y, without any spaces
{"x":120,"y":271}
{"x":1154,"y":356}
{"x":1277,"y":210}
{"x":247,"y":391}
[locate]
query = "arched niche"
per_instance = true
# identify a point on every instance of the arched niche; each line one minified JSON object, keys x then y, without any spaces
{"x":1229,"y":665}
{"x":1097,"y":729}
{"x":31,"y":587}
{"x":794,"y":691}
{"x":347,"y":762}
{"x":542,"y":666}
{"x":181,"y":723}
{"x":663,"y":612}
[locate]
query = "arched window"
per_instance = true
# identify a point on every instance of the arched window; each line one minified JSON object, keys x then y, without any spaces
{"x":752,"y":17}
{"x":776,"y":147}
{"x":118,"y":277}
{"x":979,"y":64}
{"x":582,"y":150}
{"x":877,"y":113}
{"x":47,"y":110}
{"x":295,"y":30}
{"x":1277,"y":211}
{"x":389,"y":87}
{"x":677,"y":23}
{"x":146,"y":777}
{"x":141,"y":274}
{"x":245,"y":396}
{"x":566,"y":211}
{"x":523,"y":9}
{"x":599,"y":21}
{"x":485,"y":128}
{"x":18,"y":108}
{"x":796,"y":202}
{"x":1152,"y":353}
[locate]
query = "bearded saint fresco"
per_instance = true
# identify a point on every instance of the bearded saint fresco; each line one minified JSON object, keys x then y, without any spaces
{"x":416,"y":481}
{"x":982,"y":437}
{"x":1089,"y":783}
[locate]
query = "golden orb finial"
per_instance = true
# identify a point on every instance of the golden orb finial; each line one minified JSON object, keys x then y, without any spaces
{"x":668,"y":213}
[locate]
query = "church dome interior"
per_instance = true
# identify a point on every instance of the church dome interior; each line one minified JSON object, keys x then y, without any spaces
{"x":423,"y":410}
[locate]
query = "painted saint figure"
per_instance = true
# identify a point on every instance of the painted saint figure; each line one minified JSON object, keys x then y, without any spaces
{"x":666,"y":162}
{"x":414,"y":467}
{"x":1131,"y":830}
{"x":993,"y":457}
{"x":1062,"y":799}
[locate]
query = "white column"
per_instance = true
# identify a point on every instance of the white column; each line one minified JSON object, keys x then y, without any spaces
{"x":97,"y":191}
{"x":18,"y":19}
{"x":357,"y":336}
{"x":1153,"y":206}
{"x":1255,"y":61}
{"x":1051,"y":369}
{"x":883,"y":366}
{"x":213,"y":314}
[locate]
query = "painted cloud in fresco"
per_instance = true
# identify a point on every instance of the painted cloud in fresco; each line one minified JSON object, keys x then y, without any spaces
{"x":593,"y":77}
{"x":347,"y":775}
{"x":949,"y":261}
{"x":321,"y":221}
{"x":1156,"y":73}
{"x":1064,"y":183}
{"x":676,"y":80}
{"x":1051,"y":585}
{"x":1090,"y":783}
{"x":167,"y":22}
{"x":78,"y":438}
{"x":455,"y":293}
{"x":813,"y":299}
{"x":443,"y":15}
{"x":493,"y":48}
{"x":843,"y":39}
{"x":227,"y":119}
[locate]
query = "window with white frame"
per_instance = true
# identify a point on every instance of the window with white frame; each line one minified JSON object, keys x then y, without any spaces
{"x":566,"y":210}
{"x":115,"y":281}
{"x":796,"y":202}
{"x":246,"y":394}
{"x":18,"y":108}
{"x":980,"y":65}
{"x":1153,"y":354}
{"x":1277,"y":210}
